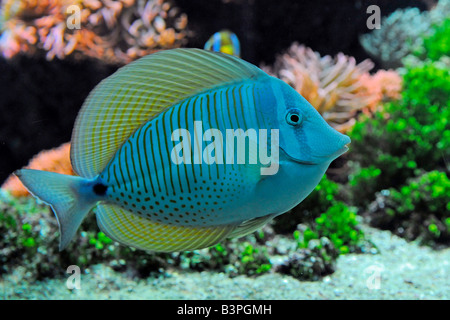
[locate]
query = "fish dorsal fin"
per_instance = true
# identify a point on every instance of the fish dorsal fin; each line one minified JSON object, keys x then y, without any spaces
{"x":139,"y":92}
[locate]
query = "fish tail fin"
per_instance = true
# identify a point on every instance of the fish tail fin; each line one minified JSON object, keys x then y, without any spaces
{"x":64,"y":194}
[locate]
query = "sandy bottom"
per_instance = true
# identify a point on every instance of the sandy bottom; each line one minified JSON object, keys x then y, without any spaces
{"x":401,"y":270}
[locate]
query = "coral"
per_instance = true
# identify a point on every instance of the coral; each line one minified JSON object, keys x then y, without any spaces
{"x":253,"y":260}
{"x":406,"y":136}
{"x":113,"y":31}
{"x":55,"y":160}
{"x":438,"y":44}
{"x":340,"y":225}
{"x":383,"y":86}
{"x":22,"y":243}
{"x":319,"y":242}
{"x":439,"y":12}
{"x":232,"y":256}
{"x":30,"y":243}
{"x":401,"y":33}
{"x":427,"y":83}
{"x":31,"y":236}
{"x":419,"y":209}
{"x":321,"y":215}
{"x":336,"y":87}
{"x":318,"y":259}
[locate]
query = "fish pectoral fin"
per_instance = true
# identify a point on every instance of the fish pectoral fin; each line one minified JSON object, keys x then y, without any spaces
{"x":250,"y":226}
{"x":130,"y":229}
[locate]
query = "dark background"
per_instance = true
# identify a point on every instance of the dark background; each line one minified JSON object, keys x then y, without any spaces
{"x":40,"y":99}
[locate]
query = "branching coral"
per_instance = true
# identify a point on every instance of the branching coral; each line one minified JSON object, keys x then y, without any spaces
{"x":398,"y":36}
{"x":405,"y":136}
{"x":438,"y":44}
{"x":55,"y":160}
{"x":418,"y":209}
{"x":382,"y":86}
{"x":440,"y":12}
{"x":114,"y":31}
{"x":336,"y":87}
{"x":402,"y":33}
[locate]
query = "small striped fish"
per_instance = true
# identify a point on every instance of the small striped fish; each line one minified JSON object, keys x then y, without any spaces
{"x":224,"y":41}
{"x":171,"y":153}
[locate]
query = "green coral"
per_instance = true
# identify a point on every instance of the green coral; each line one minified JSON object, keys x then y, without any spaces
{"x":405,"y":137}
{"x":217,"y":258}
{"x":418,"y":209}
{"x":427,"y":83}
{"x":339,"y":224}
{"x":22,"y":241}
{"x":100,"y":240}
{"x":31,"y":237}
{"x":326,"y":227}
{"x":310,"y":262}
{"x":321,"y":218}
{"x":233,"y":256}
{"x":438,"y":44}
{"x":404,"y":149}
{"x":254,"y":260}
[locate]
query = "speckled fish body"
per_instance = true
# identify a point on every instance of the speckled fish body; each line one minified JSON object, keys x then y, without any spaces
{"x":123,"y":149}
{"x":145,"y":180}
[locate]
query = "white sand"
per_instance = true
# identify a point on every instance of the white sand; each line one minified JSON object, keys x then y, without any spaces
{"x":401,"y":271}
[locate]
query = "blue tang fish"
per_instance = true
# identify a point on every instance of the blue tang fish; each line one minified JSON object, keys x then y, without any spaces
{"x":185,"y":147}
{"x":224,"y":41}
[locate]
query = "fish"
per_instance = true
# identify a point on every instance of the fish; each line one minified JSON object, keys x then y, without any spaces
{"x":224,"y":41}
{"x":184,"y":148}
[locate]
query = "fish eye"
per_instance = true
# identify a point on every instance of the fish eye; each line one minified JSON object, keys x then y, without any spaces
{"x":294,"y":118}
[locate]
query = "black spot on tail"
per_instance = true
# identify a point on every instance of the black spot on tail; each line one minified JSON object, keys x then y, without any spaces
{"x":100,"y":189}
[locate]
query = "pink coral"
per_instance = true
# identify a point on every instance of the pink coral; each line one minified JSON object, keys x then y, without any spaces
{"x":55,"y":160}
{"x":115,"y":31}
{"x":383,"y":86}
{"x":337,"y":87}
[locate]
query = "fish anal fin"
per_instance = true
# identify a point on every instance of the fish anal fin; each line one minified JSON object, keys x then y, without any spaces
{"x":135,"y":231}
{"x":250,"y":226}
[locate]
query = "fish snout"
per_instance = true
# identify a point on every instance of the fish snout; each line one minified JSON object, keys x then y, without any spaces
{"x":344,"y":142}
{"x":333,"y":146}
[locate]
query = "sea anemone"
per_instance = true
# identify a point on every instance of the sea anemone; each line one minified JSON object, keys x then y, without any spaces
{"x":54,"y":160}
{"x":114,"y":31}
{"x":332,"y":85}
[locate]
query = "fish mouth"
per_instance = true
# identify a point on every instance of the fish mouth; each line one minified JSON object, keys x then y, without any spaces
{"x":321,"y":159}
{"x":340,"y":152}
{"x":335,"y":154}
{"x":307,"y":163}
